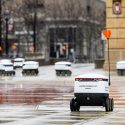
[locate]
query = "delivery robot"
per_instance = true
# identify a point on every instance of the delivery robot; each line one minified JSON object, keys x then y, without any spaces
{"x":91,"y":90}
{"x":6,"y":68}
{"x":120,"y":67}
{"x":63,"y":68}
{"x":30,"y":68}
{"x":18,"y":62}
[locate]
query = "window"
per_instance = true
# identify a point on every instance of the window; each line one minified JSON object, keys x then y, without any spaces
{"x":117,"y":7}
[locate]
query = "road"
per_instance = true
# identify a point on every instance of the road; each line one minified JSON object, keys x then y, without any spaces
{"x":44,"y":99}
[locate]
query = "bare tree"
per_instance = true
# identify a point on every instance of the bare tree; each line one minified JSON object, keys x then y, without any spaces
{"x":32,"y":14}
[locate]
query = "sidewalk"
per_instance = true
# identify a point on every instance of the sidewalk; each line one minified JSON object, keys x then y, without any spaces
{"x":117,"y":92}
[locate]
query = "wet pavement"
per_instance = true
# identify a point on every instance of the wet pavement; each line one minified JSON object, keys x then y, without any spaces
{"x":44,"y":99}
{"x":117,"y":91}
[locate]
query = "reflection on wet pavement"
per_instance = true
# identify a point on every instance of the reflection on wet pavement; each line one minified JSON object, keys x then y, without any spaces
{"x":36,"y":104}
{"x":29,"y":93}
{"x":41,"y":114}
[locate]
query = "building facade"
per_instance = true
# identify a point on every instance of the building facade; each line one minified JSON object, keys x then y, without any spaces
{"x":115,"y":21}
{"x":60,"y":28}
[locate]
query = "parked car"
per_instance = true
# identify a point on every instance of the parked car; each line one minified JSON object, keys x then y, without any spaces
{"x":30,"y":68}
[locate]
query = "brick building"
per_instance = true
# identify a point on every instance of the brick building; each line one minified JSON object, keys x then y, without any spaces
{"x":115,"y":21}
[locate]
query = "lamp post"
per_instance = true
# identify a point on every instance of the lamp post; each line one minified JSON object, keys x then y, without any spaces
{"x":6,"y":14}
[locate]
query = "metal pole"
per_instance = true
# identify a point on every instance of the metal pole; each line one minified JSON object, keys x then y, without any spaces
{"x":0,"y":25}
{"x":34,"y":31}
{"x":7,"y":37}
{"x":109,"y":61}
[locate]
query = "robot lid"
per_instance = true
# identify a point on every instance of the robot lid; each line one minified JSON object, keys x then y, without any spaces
{"x":19,"y":59}
{"x":5,"y":61}
{"x":121,"y":62}
{"x":91,"y":77}
{"x":31,"y":62}
{"x":120,"y":65}
{"x":63,"y":63}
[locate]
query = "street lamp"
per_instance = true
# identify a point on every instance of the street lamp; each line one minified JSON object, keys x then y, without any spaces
{"x":7,"y":15}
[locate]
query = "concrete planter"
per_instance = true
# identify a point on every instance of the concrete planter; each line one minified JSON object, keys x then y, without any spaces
{"x":99,"y":63}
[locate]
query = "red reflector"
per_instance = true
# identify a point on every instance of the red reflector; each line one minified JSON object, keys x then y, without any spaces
{"x":88,"y":79}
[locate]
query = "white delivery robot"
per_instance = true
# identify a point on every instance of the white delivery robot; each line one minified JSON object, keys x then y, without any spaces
{"x":120,"y":67}
{"x":30,"y":68}
{"x":18,"y":62}
{"x":6,"y":67}
{"x":91,"y":90}
{"x":63,"y":68}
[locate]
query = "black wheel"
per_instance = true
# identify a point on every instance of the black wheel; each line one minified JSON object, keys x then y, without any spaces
{"x":32,"y":72}
{"x":121,"y":72}
{"x":13,"y":73}
{"x":3,"y":73}
{"x":72,"y":105}
{"x":63,"y":73}
{"x":107,"y":105}
{"x":24,"y":73}
{"x":112,"y":104}
{"x":58,"y":73}
{"x":10,"y":74}
{"x":118,"y":72}
{"x":0,"y":72}
{"x":36,"y":72}
{"x":76,"y":105}
{"x":28,"y":72}
{"x":7,"y":73}
{"x":68,"y":73}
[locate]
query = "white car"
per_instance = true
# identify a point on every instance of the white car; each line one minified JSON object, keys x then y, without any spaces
{"x":63,"y":68}
{"x":6,"y":67}
{"x":30,"y":68}
{"x":18,"y":62}
{"x":120,"y":67}
{"x":91,"y":90}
